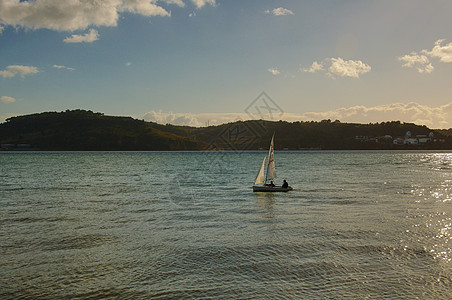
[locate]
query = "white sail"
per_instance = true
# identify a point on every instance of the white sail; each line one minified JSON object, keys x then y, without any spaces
{"x":260,"y":178}
{"x":271,"y":169}
{"x":269,"y":175}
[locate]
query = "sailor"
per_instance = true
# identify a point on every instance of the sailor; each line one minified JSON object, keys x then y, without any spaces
{"x":272,"y":184}
{"x":285,"y":184}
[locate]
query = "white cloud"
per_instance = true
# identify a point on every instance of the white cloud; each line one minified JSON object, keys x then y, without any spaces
{"x":444,"y":53}
{"x":128,"y":64}
{"x":347,"y":68}
{"x":179,"y":3}
{"x":14,"y":70}
{"x":339,"y":67}
{"x":421,"y":62}
{"x":280,"y":11}
{"x":142,"y":7}
{"x":433,"y":117}
{"x":201,"y":3}
{"x":7,"y":99}
{"x":274,"y":71}
{"x":189,"y":119}
{"x":315,"y":67}
{"x":63,"y":67}
{"x":88,"y":37}
{"x":70,"y":15}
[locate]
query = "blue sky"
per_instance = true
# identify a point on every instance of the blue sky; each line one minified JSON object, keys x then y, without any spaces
{"x":189,"y":61}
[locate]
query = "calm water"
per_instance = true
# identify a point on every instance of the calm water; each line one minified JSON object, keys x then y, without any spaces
{"x":187,"y":225}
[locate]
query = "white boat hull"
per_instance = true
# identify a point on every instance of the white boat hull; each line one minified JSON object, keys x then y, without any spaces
{"x":266,"y":188}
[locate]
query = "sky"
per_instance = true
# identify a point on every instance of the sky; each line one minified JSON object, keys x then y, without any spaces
{"x":200,"y":62}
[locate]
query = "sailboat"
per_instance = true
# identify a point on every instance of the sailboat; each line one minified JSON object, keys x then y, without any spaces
{"x":260,"y":183}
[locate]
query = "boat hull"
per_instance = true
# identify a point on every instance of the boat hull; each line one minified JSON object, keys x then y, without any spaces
{"x":264,"y":188}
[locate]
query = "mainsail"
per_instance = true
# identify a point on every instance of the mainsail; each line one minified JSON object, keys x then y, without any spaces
{"x":260,"y":178}
{"x":271,"y":170}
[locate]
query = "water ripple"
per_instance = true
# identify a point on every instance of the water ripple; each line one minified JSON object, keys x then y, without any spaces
{"x":136,"y":225}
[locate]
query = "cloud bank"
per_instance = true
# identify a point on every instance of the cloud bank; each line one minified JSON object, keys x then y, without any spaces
{"x":3,"y":117}
{"x":189,"y":119}
{"x":433,"y":117}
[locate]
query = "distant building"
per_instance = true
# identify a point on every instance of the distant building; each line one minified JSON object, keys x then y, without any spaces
{"x":419,"y":139}
{"x":423,"y":138}
{"x":411,"y":141}
{"x":408,"y":139}
{"x":399,"y":141}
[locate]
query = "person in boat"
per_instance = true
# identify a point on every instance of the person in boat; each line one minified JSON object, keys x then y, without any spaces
{"x":285,"y":184}
{"x":272,"y":184}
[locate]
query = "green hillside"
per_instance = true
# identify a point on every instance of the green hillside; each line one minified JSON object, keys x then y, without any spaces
{"x":86,"y":130}
{"x":322,"y":135}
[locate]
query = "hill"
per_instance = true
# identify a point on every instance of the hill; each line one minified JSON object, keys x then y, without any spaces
{"x":86,"y":130}
{"x":323,"y":135}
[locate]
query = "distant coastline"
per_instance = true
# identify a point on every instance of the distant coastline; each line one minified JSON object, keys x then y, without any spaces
{"x":82,"y":130}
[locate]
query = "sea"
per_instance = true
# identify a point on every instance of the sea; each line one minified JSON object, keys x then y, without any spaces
{"x":187,"y":225}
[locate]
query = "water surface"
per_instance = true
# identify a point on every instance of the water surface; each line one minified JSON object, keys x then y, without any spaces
{"x":187,"y":224}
